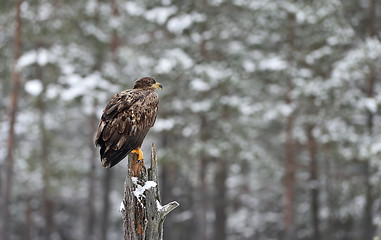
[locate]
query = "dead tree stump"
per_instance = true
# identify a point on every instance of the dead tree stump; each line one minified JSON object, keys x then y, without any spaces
{"x":143,"y":214}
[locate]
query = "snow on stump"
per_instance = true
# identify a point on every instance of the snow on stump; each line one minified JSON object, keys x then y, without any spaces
{"x":143,"y":214}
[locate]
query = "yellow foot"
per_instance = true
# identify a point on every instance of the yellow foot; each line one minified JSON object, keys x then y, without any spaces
{"x":137,"y":165}
{"x":139,"y":152}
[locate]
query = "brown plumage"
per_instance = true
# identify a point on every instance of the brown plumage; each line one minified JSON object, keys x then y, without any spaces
{"x":126,"y":120}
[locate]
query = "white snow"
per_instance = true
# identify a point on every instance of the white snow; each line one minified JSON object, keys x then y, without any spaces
{"x":122,"y":207}
{"x":26,"y":59}
{"x":373,"y":48}
{"x":43,"y":57}
{"x":115,"y":22}
{"x":53,"y":91}
{"x":184,"y":216}
{"x":171,"y":58}
{"x":334,"y":40}
{"x":304,"y":72}
{"x":318,"y":53}
{"x":235,"y":47}
{"x":40,"y":56}
{"x":214,"y":73}
{"x":189,"y":130}
{"x":134,"y":180}
{"x":45,"y":11}
{"x":164,"y":124}
{"x":134,"y":9}
{"x":165,"y":65}
{"x":181,"y":57}
{"x":281,"y":109}
{"x":159,"y":206}
{"x":199,"y":84}
{"x":92,"y":30}
{"x":138,"y":192}
{"x":273,"y":63}
{"x":91,"y":7}
{"x":354,"y":66}
{"x":73,"y":92}
{"x":179,"y":23}
{"x":247,"y":108}
{"x":300,"y":16}
{"x":33,"y":87}
{"x":84,"y":86}
{"x":201,"y":106}
{"x":370,"y":104}
{"x":249,"y":66}
{"x":285,"y":109}
{"x":375,"y":148}
{"x":160,"y":14}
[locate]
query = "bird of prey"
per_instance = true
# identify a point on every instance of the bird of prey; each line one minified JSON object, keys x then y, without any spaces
{"x":126,"y":120}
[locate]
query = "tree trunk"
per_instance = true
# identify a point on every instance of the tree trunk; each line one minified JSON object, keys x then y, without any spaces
{"x":220,"y":202}
{"x":314,"y":184}
{"x":90,"y":214}
{"x":28,"y":220}
{"x":202,"y":199}
{"x":169,"y":177}
{"x":47,"y":203}
{"x":115,"y":38}
{"x":331,"y":200}
{"x":289,"y":182}
{"x":368,"y":229}
{"x":107,"y":175}
{"x":289,"y":145}
{"x":106,"y":203}
{"x":143,"y":214}
{"x":7,"y":189}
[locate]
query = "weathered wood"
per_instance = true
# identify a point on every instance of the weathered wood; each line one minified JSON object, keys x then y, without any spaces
{"x":143,"y":214}
{"x":127,"y":208}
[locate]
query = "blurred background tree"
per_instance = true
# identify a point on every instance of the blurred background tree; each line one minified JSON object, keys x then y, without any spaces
{"x":268,"y":126}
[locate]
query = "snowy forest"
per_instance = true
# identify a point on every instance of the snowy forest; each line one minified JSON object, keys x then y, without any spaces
{"x":268,"y":125}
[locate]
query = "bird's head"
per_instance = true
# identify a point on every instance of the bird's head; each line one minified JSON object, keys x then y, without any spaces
{"x":147,"y":83}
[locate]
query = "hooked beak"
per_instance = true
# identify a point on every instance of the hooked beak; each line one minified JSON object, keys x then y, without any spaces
{"x":157,"y":85}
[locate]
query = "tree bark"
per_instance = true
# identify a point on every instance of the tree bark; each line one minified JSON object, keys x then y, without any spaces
{"x":47,"y":203}
{"x":143,"y":214}
{"x":106,"y":203}
{"x":289,"y":182}
{"x":289,"y":145}
{"x":28,"y":219}
{"x":368,"y":228}
{"x":90,"y":214}
{"x":220,"y":202}
{"x":115,"y":38}
{"x":314,"y":184}
{"x":7,"y":189}
{"x":202,"y":199}
{"x":108,"y":176}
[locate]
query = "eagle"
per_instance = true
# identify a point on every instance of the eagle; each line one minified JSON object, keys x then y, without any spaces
{"x":126,"y":120}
